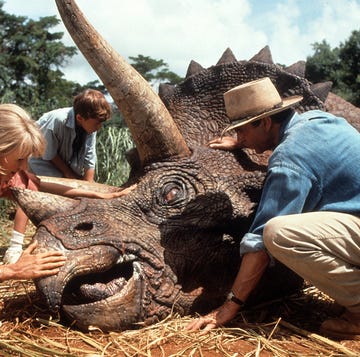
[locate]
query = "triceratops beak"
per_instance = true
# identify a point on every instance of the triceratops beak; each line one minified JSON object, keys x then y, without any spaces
{"x":39,"y":206}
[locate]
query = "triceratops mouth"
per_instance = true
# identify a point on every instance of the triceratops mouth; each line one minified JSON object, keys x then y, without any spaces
{"x":94,"y":287}
{"x":98,"y":290}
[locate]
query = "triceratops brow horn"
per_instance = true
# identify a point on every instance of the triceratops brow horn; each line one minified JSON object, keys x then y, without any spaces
{"x":154,"y":131}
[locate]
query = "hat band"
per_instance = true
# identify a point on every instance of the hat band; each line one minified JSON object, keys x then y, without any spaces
{"x":239,"y":120}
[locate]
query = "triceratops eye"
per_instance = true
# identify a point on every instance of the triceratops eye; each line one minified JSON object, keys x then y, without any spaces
{"x":171,"y":193}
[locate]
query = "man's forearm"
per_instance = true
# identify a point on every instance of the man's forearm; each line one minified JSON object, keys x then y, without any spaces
{"x":89,"y":175}
{"x":251,"y":270}
{"x":65,"y":169}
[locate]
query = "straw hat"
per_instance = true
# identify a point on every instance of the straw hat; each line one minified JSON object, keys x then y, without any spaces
{"x":255,"y":100}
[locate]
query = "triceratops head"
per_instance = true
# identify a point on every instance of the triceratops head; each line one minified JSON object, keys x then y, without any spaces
{"x":172,"y":244}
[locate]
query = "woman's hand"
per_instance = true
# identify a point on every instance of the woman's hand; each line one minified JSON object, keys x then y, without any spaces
{"x":32,"y":266}
{"x":121,"y":193}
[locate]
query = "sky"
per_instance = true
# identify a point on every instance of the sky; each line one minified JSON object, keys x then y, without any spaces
{"x":178,"y":31}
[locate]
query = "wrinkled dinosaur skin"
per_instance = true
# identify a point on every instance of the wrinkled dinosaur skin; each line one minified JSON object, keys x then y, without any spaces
{"x":172,"y":244}
{"x":178,"y":233}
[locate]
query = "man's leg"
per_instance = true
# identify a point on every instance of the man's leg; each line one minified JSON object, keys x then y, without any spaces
{"x":323,"y":248}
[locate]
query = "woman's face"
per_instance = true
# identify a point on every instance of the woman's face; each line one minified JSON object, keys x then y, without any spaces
{"x":12,"y":163}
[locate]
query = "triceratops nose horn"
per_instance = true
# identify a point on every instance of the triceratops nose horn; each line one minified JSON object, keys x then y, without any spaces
{"x":39,"y":206}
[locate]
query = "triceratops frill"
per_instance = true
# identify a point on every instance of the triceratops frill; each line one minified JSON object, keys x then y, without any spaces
{"x":172,"y":244}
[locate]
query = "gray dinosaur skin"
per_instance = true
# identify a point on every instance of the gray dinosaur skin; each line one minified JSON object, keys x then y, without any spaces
{"x":172,"y":244}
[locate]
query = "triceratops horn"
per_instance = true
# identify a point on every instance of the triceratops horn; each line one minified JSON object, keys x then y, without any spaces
{"x":321,"y":90}
{"x":38,"y":205}
{"x":297,"y":68}
{"x":194,"y":68}
{"x":154,"y":131}
{"x":264,"y":56}
{"x":227,"y":56}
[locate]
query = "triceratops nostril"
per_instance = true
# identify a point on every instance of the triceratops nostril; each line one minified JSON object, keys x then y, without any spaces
{"x":84,"y":226}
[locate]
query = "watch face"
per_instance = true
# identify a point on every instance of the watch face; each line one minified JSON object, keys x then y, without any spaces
{"x":234,"y":299}
{"x":230,"y":295}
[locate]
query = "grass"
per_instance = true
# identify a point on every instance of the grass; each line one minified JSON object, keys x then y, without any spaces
{"x":286,"y":327}
{"x":112,"y":144}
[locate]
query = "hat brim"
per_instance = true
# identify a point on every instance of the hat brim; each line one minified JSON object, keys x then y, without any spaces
{"x":286,"y":103}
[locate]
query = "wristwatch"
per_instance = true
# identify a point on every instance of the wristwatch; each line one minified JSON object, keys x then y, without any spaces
{"x":231,"y":296}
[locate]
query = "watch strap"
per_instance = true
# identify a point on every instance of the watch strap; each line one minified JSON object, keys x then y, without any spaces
{"x":234,"y":299}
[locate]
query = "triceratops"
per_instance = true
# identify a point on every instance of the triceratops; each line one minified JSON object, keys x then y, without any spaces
{"x":172,"y":244}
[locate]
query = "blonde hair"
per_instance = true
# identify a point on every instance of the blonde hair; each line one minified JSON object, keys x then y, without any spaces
{"x":19,"y":131}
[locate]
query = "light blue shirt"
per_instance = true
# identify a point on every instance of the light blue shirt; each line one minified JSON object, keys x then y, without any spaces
{"x":315,"y":167}
{"x":58,"y":127}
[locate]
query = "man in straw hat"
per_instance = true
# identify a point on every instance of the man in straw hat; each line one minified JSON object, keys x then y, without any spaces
{"x":309,"y":213}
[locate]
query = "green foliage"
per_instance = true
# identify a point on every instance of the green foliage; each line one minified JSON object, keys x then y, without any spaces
{"x":349,"y":54}
{"x":31,"y":58}
{"x":112,"y":143}
{"x":340,"y":65}
{"x":30,"y":61}
{"x":154,"y":71}
{"x":323,"y":64}
{"x":6,"y":207}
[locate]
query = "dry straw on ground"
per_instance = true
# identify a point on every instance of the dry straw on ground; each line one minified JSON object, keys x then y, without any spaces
{"x":279,"y":328}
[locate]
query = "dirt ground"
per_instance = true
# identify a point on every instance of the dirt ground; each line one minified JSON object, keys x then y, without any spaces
{"x":288,"y":327}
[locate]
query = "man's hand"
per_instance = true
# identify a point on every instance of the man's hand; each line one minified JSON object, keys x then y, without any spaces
{"x":224,"y":143}
{"x":215,"y":318}
{"x":251,"y":270}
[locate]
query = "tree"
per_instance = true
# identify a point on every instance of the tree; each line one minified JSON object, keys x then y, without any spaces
{"x":323,"y":63}
{"x":340,"y":65}
{"x":31,"y":58}
{"x":154,"y":71}
{"x":349,"y":54}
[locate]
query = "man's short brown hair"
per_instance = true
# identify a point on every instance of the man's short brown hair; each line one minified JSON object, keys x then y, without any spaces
{"x":92,"y":104}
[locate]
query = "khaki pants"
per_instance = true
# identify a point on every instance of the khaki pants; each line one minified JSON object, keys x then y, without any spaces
{"x":323,"y":248}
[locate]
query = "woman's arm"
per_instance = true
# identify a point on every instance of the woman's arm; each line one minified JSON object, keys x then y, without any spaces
{"x":67,"y":191}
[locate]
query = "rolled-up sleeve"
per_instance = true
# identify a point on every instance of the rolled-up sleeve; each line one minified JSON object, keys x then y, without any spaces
{"x":52,"y":141}
{"x":286,"y":191}
{"x":90,"y":152}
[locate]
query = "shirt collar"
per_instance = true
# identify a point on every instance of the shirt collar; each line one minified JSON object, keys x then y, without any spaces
{"x":70,"y":121}
{"x":288,"y":123}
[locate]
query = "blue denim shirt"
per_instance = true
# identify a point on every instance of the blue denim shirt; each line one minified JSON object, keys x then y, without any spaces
{"x":315,"y":167}
{"x":58,"y":127}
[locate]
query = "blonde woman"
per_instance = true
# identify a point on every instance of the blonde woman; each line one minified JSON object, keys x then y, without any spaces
{"x":21,"y":138}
